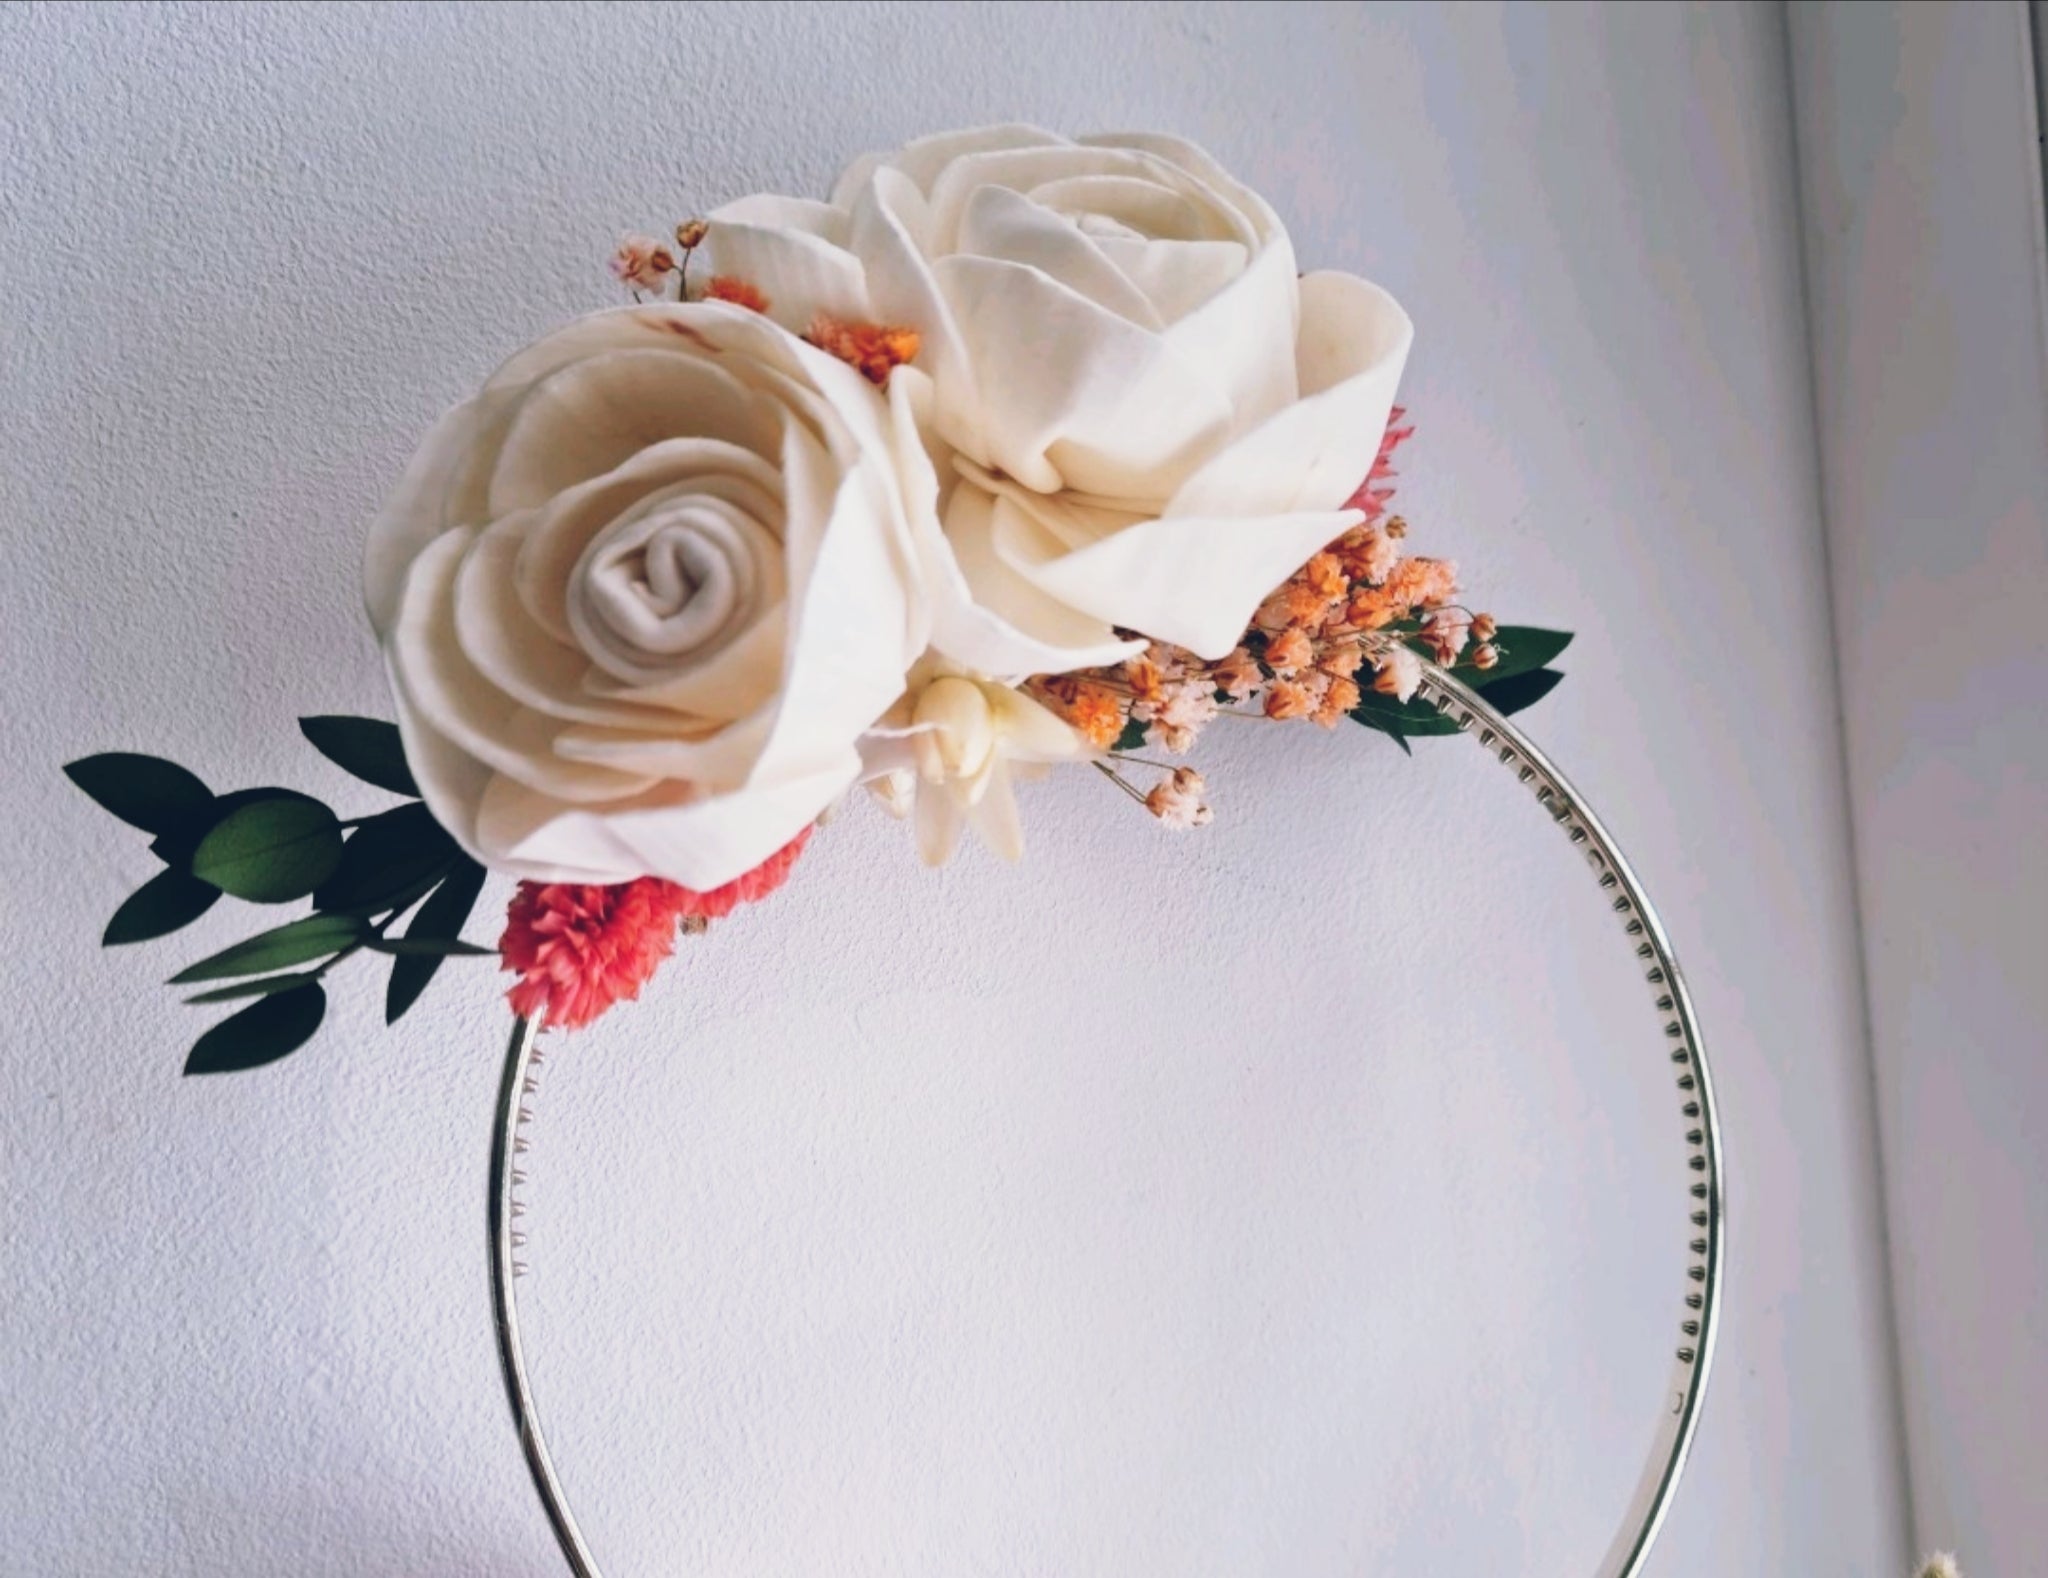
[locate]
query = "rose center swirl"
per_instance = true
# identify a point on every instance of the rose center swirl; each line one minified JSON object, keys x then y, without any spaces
{"x":675,"y":579}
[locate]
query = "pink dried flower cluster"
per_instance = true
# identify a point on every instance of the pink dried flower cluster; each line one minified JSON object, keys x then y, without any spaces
{"x":642,"y":262}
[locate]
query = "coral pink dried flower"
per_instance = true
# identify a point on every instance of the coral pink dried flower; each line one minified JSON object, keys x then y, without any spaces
{"x":579,"y":948}
{"x":642,"y":261}
{"x":1377,"y":488}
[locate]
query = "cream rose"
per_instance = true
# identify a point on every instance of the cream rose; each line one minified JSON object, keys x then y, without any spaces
{"x":642,"y":595}
{"x":1154,"y":421}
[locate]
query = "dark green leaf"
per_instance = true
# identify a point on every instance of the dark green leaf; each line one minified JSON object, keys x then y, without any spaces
{"x":385,"y":857}
{"x":268,"y":1029}
{"x":1523,"y":690}
{"x":443,"y":915}
{"x":174,"y":846}
{"x":409,"y":947}
{"x":143,"y":791}
{"x":1132,"y":738}
{"x":165,"y":902}
{"x":369,"y":748}
{"x":312,"y":938}
{"x":262,"y":988}
{"x":1401,"y":717}
{"x":279,"y":848}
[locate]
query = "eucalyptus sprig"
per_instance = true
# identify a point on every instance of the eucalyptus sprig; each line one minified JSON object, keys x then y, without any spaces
{"x":277,"y":846}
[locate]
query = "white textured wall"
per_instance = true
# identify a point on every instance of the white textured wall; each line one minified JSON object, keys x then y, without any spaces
{"x":1284,"y":1200}
{"x":1920,"y":149}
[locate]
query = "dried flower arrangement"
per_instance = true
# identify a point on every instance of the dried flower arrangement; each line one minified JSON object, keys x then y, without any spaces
{"x":1018,"y":451}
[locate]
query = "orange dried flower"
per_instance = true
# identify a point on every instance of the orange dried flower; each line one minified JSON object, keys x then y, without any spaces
{"x":873,"y":350}
{"x":1324,"y":575}
{"x":725,"y":287}
{"x":690,"y":233}
{"x":1094,"y":711}
{"x":1289,"y":651}
{"x":1337,"y":701}
{"x":1373,"y":608}
{"x":1485,"y":655}
{"x":1300,"y":604}
{"x":1238,"y":674}
{"x":1287,"y":698}
{"x":1483,"y":627}
{"x":1423,"y":583}
{"x":1144,"y":678}
{"x":1341,"y":659}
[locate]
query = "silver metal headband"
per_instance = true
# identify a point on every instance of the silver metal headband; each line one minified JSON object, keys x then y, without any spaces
{"x":1680,"y":1043}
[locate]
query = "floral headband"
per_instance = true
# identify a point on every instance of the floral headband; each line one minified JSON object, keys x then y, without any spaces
{"x":1019,"y":452}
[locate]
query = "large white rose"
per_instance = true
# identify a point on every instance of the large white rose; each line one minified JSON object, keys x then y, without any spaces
{"x":1155,"y":420}
{"x":641,"y":596}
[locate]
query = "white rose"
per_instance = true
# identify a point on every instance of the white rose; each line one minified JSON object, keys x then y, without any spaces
{"x":641,"y":596}
{"x":1156,"y":421}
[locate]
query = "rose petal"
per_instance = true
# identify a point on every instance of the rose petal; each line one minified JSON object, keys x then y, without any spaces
{"x":924,"y":159}
{"x":1194,"y":582}
{"x":794,"y":253}
{"x":1246,"y":336}
{"x":1086,"y":399}
{"x":564,"y":528}
{"x":455,"y":699}
{"x":701,"y":841}
{"x":512,"y":650}
{"x":1000,"y":223}
{"x":993,"y":621}
{"x":1313,"y":454}
{"x":594,"y":415}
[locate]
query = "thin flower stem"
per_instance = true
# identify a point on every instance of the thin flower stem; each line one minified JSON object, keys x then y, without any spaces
{"x":1144,"y":761}
{"x":1114,"y":777}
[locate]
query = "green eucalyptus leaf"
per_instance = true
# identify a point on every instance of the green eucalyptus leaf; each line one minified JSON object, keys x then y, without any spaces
{"x":1132,"y":738}
{"x":385,"y":858}
{"x":275,"y":849}
{"x":367,"y":748}
{"x":1392,"y":716}
{"x":1522,"y":690}
{"x":262,"y":988}
{"x":443,"y":915}
{"x":167,"y":901}
{"x":175,"y":845}
{"x":268,"y":1029}
{"x":314,"y":937}
{"x":143,"y":791}
{"x":410,"y":947}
